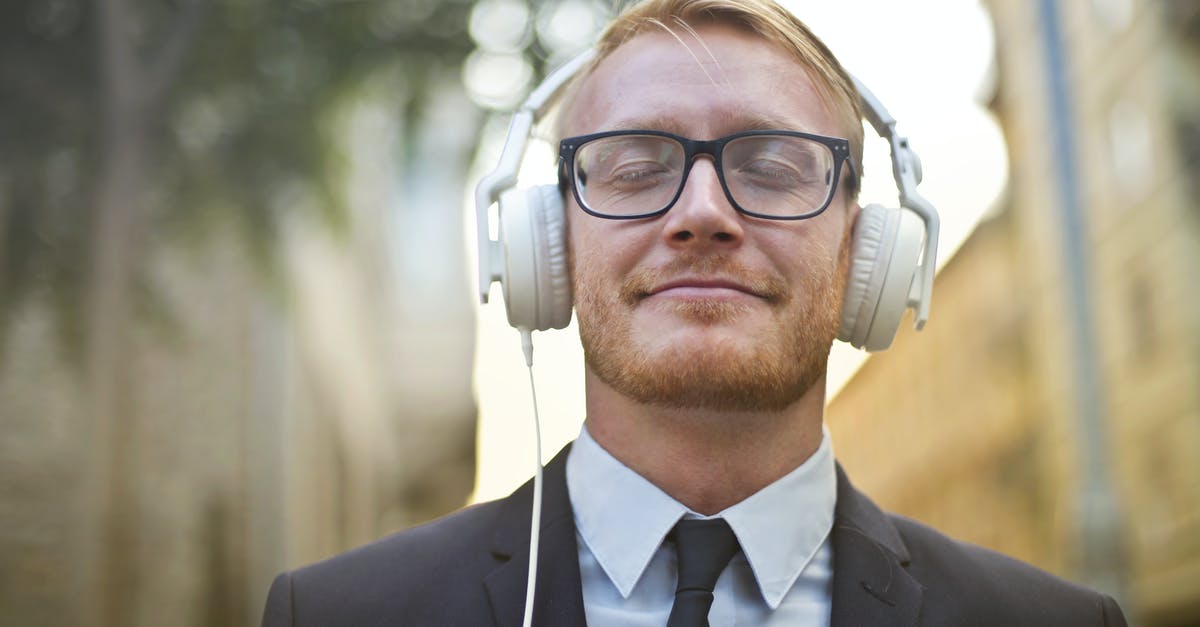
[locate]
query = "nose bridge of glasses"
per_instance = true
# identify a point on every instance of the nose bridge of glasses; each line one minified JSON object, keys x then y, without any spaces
{"x":703,"y":172}
{"x":713,"y":178}
{"x":710,"y":150}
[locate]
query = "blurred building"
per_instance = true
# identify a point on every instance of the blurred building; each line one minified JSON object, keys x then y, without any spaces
{"x":973,"y":424}
{"x":271,"y":420}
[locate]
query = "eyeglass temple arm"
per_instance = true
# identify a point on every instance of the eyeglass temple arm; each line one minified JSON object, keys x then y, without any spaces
{"x":491,"y":255}
{"x":906,"y":169}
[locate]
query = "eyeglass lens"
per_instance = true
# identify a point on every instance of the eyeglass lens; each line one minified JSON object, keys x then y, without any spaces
{"x":776,"y":175}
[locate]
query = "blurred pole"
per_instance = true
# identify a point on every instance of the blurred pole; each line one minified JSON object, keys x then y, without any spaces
{"x":1101,"y":560}
{"x":112,"y":578}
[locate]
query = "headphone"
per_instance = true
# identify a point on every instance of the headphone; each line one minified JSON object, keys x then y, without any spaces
{"x":890,"y":270}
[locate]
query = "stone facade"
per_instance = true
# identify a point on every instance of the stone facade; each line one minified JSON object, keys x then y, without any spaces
{"x":972,"y":424}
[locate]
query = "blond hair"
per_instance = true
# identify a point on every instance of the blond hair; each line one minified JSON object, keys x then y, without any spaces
{"x":765,"y":18}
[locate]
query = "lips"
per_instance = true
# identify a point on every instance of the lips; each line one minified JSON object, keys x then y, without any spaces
{"x":703,"y":278}
{"x":701,"y":286}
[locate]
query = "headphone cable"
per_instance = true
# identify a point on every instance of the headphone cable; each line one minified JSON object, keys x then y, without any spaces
{"x":536,"y":516}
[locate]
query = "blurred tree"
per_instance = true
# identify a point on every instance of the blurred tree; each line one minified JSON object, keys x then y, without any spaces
{"x":119,"y":120}
{"x":124,"y":123}
{"x":127,"y":124}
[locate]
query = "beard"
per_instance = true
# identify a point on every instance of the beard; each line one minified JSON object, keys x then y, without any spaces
{"x":775,"y":370}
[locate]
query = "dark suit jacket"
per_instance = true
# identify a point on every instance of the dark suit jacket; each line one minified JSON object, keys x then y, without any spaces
{"x":470,"y":569}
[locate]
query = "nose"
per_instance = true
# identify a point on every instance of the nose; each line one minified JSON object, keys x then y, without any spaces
{"x":702,"y":216}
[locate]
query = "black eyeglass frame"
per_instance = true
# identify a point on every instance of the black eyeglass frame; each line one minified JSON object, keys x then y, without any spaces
{"x":691,"y":148}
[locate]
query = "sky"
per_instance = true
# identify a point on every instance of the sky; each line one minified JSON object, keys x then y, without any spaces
{"x":928,"y":61}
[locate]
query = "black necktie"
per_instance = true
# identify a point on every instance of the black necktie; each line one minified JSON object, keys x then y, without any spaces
{"x":704,"y":548}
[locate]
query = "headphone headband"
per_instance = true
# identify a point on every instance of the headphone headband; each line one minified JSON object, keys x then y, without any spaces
{"x":906,"y":170}
{"x":491,"y":263}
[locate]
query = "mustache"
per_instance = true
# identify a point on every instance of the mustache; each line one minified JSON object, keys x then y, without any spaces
{"x":766,"y":285}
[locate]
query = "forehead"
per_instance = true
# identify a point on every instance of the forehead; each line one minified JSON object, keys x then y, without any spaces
{"x":712,"y":81}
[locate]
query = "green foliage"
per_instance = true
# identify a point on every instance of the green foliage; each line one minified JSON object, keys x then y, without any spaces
{"x":230,"y":130}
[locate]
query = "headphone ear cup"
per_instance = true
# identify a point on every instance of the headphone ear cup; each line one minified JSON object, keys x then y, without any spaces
{"x":883,"y":262}
{"x":536,"y":282}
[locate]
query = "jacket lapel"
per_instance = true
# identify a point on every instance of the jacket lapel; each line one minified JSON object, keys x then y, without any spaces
{"x":870,"y":583}
{"x":558,"y":597}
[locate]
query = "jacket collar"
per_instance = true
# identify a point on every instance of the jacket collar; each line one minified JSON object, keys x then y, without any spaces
{"x":871,"y":585}
{"x":558,"y":597}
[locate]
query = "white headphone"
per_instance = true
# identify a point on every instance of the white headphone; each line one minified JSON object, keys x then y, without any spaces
{"x":889,"y":269}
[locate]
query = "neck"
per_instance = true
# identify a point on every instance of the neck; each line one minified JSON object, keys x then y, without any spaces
{"x":706,"y":460}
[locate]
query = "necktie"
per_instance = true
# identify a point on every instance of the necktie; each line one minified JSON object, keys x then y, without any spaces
{"x":704,"y":548}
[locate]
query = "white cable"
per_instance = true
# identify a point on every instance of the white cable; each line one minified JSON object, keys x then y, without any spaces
{"x":535,"y":519}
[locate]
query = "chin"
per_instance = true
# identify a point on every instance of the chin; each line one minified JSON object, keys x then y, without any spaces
{"x":708,"y":312}
{"x":705,"y":368}
{"x":701,"y":318}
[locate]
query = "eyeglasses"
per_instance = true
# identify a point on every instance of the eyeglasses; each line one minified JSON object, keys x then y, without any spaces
{"x":777,"y":175}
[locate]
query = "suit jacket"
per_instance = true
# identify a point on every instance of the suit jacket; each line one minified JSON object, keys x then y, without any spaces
{"x":469,"y":568}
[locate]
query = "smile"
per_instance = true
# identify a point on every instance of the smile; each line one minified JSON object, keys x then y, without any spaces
{"x":703,"y":289}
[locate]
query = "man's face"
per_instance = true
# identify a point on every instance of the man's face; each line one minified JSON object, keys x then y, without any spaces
{"x":703,"y":307}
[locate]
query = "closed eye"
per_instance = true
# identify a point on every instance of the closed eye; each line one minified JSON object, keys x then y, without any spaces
{"x":771,"y":173}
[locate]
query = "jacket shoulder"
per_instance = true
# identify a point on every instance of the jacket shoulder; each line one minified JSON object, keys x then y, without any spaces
{"x":965,"y":583}
{"x":423,"y":548}
{"x":398,"y":575}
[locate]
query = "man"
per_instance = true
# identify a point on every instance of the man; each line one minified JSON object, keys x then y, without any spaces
{"x":708,"y":279}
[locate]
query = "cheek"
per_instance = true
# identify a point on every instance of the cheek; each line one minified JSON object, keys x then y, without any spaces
{"x":575,"y":239}
{"x":585,"y":254}
{"x":804,"y":253}
{"x":799,"y":244}
{"x":612,"y":249}
{"x":577,"y":248}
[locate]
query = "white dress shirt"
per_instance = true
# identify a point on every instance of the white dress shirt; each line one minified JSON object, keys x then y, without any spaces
{"x":782,"y":576}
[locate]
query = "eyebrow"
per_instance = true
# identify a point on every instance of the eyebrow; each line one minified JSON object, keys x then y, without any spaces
{"x":736,"y":121}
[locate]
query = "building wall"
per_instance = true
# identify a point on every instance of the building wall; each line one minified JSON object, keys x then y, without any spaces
{"x":272,"y":418}
{"x":982,"y":402}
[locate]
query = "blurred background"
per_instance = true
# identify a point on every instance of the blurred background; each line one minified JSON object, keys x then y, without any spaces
{"x":237,"y":322}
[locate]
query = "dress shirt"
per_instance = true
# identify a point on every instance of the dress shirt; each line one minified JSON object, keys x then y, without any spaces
{"x":782,"y":576}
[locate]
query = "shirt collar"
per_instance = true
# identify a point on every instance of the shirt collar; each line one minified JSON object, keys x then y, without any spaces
{"x":623,"y":518}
